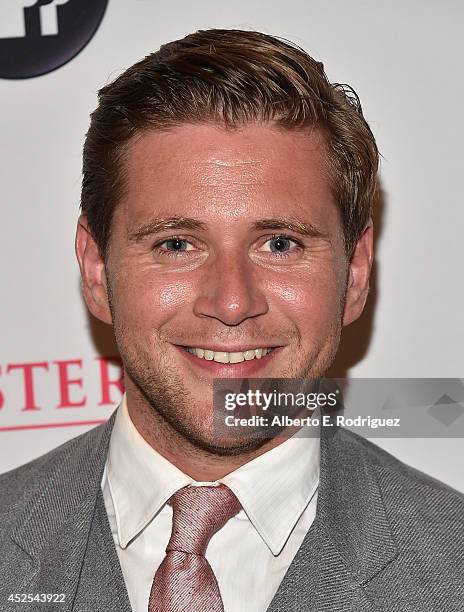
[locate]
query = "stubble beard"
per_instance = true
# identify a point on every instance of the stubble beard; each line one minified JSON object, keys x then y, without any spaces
{"x":171,"y":406}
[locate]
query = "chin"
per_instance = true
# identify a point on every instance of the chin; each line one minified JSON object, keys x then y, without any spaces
{"x":230,"y":447}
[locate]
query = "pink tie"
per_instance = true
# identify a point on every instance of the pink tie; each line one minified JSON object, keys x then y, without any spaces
{"x":185,"y":582}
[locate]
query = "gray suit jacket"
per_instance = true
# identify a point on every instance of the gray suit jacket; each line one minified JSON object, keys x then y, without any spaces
{"x":386,"y":537}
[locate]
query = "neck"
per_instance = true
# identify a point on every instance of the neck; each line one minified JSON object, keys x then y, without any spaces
{"x":199,"y":464}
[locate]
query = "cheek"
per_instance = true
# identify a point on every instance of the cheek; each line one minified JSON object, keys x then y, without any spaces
{"x":173,"y":296}
{"x":308,"y":299}
{"x":150,"y":298}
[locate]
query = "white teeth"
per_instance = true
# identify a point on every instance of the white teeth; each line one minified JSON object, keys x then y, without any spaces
{"x":225,"y":357}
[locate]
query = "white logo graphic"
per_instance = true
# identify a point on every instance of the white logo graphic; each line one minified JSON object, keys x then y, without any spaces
{"x":49,"y":17}
{"x":12,"y":22}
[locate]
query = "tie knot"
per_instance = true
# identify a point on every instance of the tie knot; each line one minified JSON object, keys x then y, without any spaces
{"x":198,"y":512}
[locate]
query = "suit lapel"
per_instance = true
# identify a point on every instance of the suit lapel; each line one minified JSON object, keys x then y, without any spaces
{"x":318,"y":581}
{"x":350,"y":540}
{"x":55,"y":525}
{"x":101,"y":584}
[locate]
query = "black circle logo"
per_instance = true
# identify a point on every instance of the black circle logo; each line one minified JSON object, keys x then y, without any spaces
{"x":38,"y":36}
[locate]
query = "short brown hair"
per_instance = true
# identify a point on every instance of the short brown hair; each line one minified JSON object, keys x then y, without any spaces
{"x":229,"y":77}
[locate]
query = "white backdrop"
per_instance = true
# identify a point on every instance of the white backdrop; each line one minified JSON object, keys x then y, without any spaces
{"x":405,"y":61}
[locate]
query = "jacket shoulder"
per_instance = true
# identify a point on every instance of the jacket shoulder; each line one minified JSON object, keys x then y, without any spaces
{"x":408,"y":491}
{"x":20,"y":484}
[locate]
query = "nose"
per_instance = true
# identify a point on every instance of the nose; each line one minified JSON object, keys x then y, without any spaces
{"x":229,"y":291}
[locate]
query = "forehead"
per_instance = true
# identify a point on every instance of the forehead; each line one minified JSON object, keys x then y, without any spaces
{"x":207,"y":169}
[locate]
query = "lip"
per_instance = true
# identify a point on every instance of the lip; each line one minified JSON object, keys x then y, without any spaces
{"x":232,"y":349}
{"x":244,"y":369}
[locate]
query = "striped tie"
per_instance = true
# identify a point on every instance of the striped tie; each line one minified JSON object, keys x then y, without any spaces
{"x":185,"y":582}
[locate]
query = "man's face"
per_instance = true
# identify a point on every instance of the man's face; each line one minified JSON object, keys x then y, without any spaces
{"x":226,"y":259}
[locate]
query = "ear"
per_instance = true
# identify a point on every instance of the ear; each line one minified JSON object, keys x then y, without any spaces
{"x":93,"y":275}
{"x":359,"y":270}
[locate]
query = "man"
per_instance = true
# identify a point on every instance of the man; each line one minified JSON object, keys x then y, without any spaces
{"x":225,"y":233}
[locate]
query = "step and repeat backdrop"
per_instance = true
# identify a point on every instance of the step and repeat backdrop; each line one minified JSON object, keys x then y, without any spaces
{"x":59,"y":369}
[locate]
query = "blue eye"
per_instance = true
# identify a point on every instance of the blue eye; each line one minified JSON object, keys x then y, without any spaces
{"x":173,"y":247}
{"x":280,"y":244}
{"x":176,"y":245}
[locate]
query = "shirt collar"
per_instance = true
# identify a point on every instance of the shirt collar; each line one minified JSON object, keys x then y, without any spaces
{"x":273,"y":489}
{"x":140,"y":480}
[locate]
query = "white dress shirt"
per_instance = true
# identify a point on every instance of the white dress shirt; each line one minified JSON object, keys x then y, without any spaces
{"x":250,"y":554}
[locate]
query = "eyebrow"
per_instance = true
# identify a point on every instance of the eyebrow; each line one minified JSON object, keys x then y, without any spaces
{"x":294,"y":225}
{"x":155,"y":226}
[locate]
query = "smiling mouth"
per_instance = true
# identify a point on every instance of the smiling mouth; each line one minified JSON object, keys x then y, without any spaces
{"x":228,"y":357}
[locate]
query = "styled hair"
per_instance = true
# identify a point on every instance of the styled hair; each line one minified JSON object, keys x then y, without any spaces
{"x":231,"y":78}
